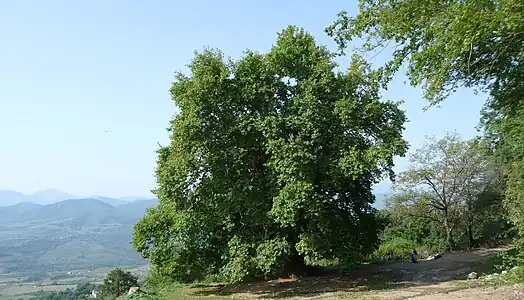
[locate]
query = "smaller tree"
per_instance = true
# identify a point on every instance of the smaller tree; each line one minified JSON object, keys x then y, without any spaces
{"x":117,"y":283}
{"x":444,"y":179}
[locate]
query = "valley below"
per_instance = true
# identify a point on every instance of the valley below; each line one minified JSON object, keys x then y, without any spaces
{"x":58,"y":245}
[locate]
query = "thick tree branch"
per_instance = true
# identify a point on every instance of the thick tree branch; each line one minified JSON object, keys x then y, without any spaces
{"x":434,"y":187}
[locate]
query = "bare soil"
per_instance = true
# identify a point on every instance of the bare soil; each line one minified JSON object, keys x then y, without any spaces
{"x":436,"y":279}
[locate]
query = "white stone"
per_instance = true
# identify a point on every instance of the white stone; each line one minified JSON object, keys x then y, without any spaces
{"x":473,"y":275}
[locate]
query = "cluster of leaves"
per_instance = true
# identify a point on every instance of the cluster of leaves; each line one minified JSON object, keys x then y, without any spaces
{"x":271,"y":164}
{"x":508,"y":259}
{"x":395,"y":249}
{"x":426,"y":236}
{"x":448,"y":44}
{"x":117,"y":283}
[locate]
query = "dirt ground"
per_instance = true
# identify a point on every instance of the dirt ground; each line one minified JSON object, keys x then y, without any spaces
{"x":436,"y":279}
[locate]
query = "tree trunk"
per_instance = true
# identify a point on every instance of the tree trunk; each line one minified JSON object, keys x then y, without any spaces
{"x":450,"y":241}
{"x":470,"y":225}
{"x":449,"y":236}
{"x":296,"y":266}
{"x":470,"y":236}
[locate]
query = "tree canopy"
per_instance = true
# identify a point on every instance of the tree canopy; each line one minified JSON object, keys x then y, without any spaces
{"x":448,"y":44}
{"x":271,"y":163}
{"x":117,"y":283}
{"x":443,"y":184}
{"x":449,"y":197}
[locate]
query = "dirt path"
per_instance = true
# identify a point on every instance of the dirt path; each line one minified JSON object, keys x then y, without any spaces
{"x":447,"y":291}
{"x":452,"y":266}
{"x":425,"y":280}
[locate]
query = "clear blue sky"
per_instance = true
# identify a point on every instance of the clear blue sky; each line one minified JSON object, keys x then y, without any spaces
{"x":84,"y":84}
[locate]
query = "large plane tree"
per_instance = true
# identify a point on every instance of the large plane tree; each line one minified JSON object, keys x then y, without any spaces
{"x":271,"y":163}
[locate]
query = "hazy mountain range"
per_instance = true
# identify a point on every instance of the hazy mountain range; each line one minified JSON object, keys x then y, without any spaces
{"x":49,"y":196}
{"x":69,"y":235}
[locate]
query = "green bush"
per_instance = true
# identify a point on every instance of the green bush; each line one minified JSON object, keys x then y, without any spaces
{"x":508,"y":259}
{"x":155,"y":280}
{"x":516,"y":276}
{"x":143,"y":296}
{"x":395,"y":249}
{"x":117,"y":283}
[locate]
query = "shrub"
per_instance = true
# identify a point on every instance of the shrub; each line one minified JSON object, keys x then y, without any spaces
{"x":395,"y":249}
{"x":508,"y":259}
{"x":117,"y":283}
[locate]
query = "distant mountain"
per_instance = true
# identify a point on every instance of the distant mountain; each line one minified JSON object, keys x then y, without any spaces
{"x":22,"y":207}
{"x":70,"y":234}
{"x":137,"y":208}
{"x":111,"y":201}
{"x":132,"y":198}
{"x":80,"y":212}
{"x":77,"y":212}
{"x":15,"y":212}
{"x":50,"y":196}
{"x":8,"y":197}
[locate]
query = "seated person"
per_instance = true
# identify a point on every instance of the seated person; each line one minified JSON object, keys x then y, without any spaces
{"x":414,"y":255}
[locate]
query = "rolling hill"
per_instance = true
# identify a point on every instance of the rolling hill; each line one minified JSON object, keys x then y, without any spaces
{"x":70,"y":234}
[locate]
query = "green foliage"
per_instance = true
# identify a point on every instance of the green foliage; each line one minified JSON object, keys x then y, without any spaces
{"x":395,"y":249}
{"x":508,"y":264}
{"x":117,"y":283}
{"x":516,"y":276}
{"x":443,"y":183}
{"x":271,"y":164}
{"x":507,"y":129}
{"x":449,"y":197}
{"x":508,"y":259}
{"x":457,"y":43}
{"x":422,"y":233}
{"x":143,"y":296}
{"x":445,"y":44}
{"x":156,"y":280}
